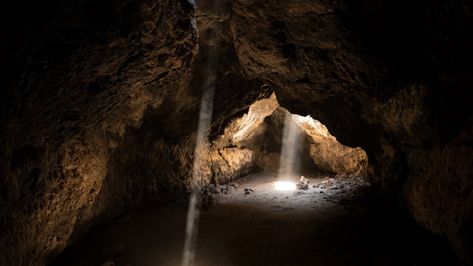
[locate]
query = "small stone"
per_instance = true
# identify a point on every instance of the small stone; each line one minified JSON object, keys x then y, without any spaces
{"x":214,"y":190}
{"x":207,"y":201}
{"x":303,"y":183}
{"x":248,"y":191}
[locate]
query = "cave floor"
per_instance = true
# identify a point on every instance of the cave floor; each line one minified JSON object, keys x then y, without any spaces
{"x":336,"y":223}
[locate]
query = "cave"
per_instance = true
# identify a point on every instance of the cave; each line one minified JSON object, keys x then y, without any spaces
{"x":236,"y":132}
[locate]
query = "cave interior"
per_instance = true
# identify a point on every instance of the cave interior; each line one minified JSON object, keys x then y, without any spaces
{"x":236,"y":132}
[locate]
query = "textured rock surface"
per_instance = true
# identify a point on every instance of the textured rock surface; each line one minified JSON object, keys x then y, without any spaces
{"x":392,"y":78}
{"x":328,"y":154}
{"x":230,"y":163}
{"x":100,"y":99}
{"x":261,"y":131}
{"x":82,"y":76}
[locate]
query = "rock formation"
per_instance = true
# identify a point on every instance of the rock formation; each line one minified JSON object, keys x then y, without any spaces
{"x":99,"y":103}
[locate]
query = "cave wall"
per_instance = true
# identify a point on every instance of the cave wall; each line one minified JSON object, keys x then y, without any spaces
{"x":100,"y":100}
{"x":81,"y":76}
{"x":99,"y":113}
{"x":254,"y":140}
{"x":392,"y":77}
{"x":329,"y":155}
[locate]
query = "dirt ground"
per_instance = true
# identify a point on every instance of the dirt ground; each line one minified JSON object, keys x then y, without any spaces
{"x":334,"y":222}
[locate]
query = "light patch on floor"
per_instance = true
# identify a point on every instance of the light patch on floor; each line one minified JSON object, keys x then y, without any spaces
{"x":266,"y":227}
{"x":284,"y":186}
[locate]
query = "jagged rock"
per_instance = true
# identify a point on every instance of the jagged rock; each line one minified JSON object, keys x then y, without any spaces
{"x":224,"y":189}
{"x":303,"y":183}
{"x":207,"y":199}
{"x":98,"y":108}
{"x":248,"y":191}
{"x":213,"y":189}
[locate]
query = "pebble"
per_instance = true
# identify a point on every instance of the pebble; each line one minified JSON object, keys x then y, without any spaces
{"x":248,"y":191}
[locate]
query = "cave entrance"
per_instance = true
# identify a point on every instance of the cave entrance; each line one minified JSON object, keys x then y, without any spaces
{"x":270,"y":140}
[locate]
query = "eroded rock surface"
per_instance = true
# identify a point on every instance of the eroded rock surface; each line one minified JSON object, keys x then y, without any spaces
{"x":261,"y":131}
{"x":100,"y":101}
{"x":387,"y":78}
{"x":330,"y":155}
{"x":82,"y":75}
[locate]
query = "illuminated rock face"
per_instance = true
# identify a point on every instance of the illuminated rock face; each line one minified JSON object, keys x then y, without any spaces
{"x":261,"y":132}
{"x":100,"y":99}
{"x":330,"y":155}
{"x":231,"y":163}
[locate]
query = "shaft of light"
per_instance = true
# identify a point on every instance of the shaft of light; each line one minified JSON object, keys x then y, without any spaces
{"x":205,"y":118}
{"x":289,"y":160}
{"x":191,"y":231}
{"x":209,"y":72}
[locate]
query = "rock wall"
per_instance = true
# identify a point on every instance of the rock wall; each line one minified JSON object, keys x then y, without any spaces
{"x":392,"y":78}
{"x":81,"y":76}
{"x":100,"y":100}
{"x":261,"y":132}
{"x":328,"y":154}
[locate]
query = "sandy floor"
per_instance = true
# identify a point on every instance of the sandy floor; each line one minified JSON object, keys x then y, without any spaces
{"x":337,"y":223}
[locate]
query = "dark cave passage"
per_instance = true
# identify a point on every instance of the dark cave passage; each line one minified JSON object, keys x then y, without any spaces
{"x":333,"y":217}
{"x":307,"y":132}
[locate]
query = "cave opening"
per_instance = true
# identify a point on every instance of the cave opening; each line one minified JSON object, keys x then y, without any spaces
{"x":264,"y":154}
{"x":269,"y":139}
